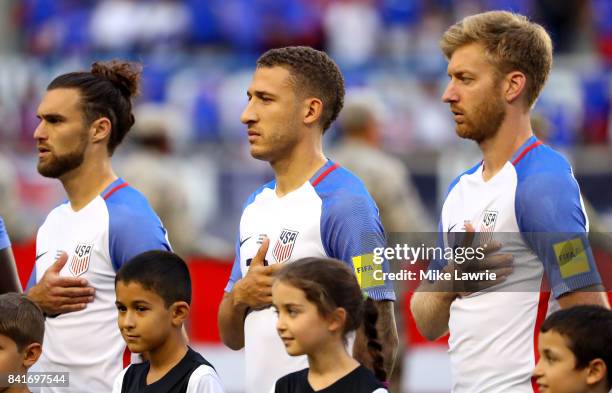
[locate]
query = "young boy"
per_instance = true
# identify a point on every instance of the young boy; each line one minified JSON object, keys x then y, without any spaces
{"x":22,"y":328}
{"x":575,"y":348}
{"x":153,"y":299}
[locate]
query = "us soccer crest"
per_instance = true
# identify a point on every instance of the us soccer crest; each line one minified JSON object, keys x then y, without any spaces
{"x":487,"y":225}
{"x":284,"y":245}
{"x":79,"y":262}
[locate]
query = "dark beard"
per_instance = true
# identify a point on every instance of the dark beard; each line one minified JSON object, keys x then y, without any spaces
{"x":58,"y":166}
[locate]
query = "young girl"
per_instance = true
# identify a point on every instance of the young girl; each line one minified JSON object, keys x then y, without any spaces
{"x":318,"y":303}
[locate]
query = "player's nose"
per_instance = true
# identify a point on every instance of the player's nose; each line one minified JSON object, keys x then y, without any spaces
{"x":40,"y":132}
{"x":248,"y":114}
{"x":450,"y":94}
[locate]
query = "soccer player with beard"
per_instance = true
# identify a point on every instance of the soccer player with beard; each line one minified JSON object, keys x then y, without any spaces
{"x":498,"y":64}
{"x":84,"y":116}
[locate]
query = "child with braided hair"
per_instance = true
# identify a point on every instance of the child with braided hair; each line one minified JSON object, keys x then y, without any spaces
{"x":319,"y":304}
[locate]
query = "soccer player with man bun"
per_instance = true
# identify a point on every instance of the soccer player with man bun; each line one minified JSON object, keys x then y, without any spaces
{"x":84,"y":116}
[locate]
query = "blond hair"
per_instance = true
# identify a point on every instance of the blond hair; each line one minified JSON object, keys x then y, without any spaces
{"x":511,"y":43}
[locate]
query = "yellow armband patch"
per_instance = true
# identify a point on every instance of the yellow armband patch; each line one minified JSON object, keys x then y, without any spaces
{"x":571,"y":257}
{"x":365,"y":269}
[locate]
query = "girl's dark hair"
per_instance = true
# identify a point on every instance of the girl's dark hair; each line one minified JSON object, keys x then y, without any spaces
{"x":329,"y":284}
{"x":106,"y":91}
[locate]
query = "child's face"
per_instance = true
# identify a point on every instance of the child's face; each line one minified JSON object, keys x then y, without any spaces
{"x":299,"y":325}
{"x":11,"y":359}
{"x":144,"y":320}
{"x":556,"y":370}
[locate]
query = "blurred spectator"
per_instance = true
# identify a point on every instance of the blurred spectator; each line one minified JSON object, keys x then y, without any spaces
{"x":168,"y":184}
{"x":388,"y":181}
{"x":10,"y":202}
{"x":386,"y":177}
{"x":353,"y":31}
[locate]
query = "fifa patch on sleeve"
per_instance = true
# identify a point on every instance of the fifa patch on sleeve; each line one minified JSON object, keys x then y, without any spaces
{"x":571,"y":257}
{"x":364,"y":270}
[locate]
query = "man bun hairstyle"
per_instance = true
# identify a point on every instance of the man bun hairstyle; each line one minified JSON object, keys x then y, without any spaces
{"x":511,"y":43}
{"x":313,"y":73}
{"x":106,"y":91}
{"x":330,"y":284}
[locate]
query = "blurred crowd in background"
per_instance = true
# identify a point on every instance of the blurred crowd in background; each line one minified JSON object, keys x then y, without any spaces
{"x":188,"y":151}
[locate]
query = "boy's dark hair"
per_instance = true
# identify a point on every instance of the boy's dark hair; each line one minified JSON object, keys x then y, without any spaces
{"x":106,"y":91}
{"x":161,"y":272}
{"x":587,"y":330}
{"x":21,"y":320}
{"x":329,"y":284}
{"x":313,"y":73}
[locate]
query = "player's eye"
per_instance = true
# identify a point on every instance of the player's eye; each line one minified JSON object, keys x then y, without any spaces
{"x":141,"y":309}
{"x":121,"y":308}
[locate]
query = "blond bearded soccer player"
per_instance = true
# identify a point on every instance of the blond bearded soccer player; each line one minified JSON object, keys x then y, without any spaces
{"x":313,"y":208}
{"x":498,"y":63}
{"x":84,"y":116}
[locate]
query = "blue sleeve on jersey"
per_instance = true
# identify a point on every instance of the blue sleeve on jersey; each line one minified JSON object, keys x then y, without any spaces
{"x":4,"y":238}
{"x":553,"y":223}
{"x":31,"y":280}
{"x":236,"y":273}
{"x":351,"y":230}
{"x":134,"y":227}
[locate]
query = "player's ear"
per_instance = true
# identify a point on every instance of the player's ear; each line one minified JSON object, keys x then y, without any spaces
{"x":100,"y":129}
{"x":337,"y":320}
{"x":180,"y":312}
{"x":596,"y":371}
{"x":515,"y":83}
{"x":313,"y":109}
{"x":31,"y":353}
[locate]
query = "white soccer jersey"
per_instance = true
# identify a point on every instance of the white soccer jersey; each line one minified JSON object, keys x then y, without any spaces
{"x":332,"y":215}
{"x":492,"y":333}
{"x":115,"y":226}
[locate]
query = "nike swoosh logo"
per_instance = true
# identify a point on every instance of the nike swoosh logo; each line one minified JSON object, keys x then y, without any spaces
{"x":38,"y":256}
{"x":451,"y":227}
{"x":242,"y":241}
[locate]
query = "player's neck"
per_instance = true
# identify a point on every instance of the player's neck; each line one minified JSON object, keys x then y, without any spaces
{"x":299,"y":166}
{"x":87,"y":181}
{"x":330,"y":363}
{"x":163,"y":358}
{"x":498,"y":150}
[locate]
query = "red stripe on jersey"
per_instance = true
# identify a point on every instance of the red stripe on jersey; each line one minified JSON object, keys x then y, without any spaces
{"x":127,"y":357}
{"x":112,"y":191}
{"x":533,"y":145}
{"x":325,"y":173}
{"x":542,"y":310}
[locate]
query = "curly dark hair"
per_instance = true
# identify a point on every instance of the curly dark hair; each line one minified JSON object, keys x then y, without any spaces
{"x":313,"y":73}
{"x":106,"y":91}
